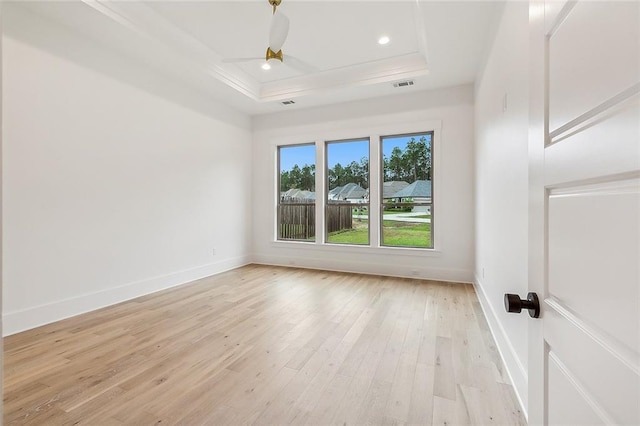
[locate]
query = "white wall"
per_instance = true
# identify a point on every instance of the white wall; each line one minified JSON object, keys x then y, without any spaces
{"x":450,"y":111}
{"x":501,"y":187}
{"x":111,"y":190}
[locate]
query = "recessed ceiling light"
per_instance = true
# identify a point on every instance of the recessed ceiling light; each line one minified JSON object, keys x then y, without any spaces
{"x":266,"y":66}
{"x":384,"y":40}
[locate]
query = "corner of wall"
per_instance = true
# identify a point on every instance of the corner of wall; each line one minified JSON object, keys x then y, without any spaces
{"x":500,"y":6}
{"x":32,"y":317}
{"x":515,"y":370}
{"x":129,"y":204}
{"x":500,"y":150}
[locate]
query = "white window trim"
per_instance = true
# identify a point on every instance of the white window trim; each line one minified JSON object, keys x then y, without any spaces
{"x":344,"y":131}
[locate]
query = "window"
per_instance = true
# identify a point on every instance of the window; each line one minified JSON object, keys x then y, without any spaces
{"x":347,"y":195}
{"x":406,"y":210}
{"x":297,"y":197}
{"x":403,"y":216}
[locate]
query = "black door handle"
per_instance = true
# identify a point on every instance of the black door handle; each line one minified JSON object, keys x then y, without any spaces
{"x":513,"y":303}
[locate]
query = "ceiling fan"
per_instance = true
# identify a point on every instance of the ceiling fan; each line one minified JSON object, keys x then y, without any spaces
{"x":277,"y":36}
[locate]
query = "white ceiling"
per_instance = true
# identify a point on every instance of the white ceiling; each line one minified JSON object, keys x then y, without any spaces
{"x":435,"y":44}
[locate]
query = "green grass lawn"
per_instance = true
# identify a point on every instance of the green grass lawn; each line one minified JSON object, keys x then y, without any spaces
{"x":406,"y":234}
{"x":358,"y":235}
{"x":394,"y":233}
{"x":354,"y":236}
{"x":397,"y":234}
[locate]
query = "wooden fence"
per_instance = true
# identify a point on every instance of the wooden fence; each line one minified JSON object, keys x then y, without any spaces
{"x":339,"y":216}
{"x":298,"y":218}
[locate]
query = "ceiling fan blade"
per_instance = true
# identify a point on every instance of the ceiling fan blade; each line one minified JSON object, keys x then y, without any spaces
{"x":299,"y":64}
{"x":236,"y":60}
{"x":278,"y":32}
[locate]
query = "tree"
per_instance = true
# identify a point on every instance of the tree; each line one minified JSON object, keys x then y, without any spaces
{"x":427,"y":158}
{"x":353,"y":173}
{"x":364,"y":172}
{"x":299,"y":178}
{"x":387,"y":168}
{"x":295,"y":175}
{"x":415,"y":158}
{"x":336,"y":176}
{"x":308,"y":178}
{"x":411,"y":164}
{"x":396,"y":164}
{"x":285,"y":181}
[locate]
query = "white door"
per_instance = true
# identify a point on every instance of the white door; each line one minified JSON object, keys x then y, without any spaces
{"x":584,"y":256}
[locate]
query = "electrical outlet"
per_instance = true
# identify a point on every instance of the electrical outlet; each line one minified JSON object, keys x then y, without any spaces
{"x":214,"y":251}
{"x":482,"y":273}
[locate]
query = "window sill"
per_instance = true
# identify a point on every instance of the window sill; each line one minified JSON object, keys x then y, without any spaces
{"x":355,"y":249}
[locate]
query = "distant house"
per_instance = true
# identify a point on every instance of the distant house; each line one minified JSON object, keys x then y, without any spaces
{"x":351,"y":192}
{"x":391,"y":187}
{"x":298,"y":195}
{"x":333,"y":194}
{"x":418,"y":192}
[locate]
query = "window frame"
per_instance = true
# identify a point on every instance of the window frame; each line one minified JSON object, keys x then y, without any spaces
{"x":326,"y":190}
{"x":405,"y":123}
{"x":381,"y":191}
{"x":279,"y":198}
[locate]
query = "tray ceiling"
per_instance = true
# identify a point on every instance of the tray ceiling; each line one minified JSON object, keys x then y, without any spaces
{"x":435,"y":44}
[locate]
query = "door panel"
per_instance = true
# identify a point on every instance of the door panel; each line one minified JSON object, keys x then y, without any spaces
{"x":568,"y":404}
{"x":597,"y":148}
{"x":596,"y":42}
{"x":593,"y":256}
{"x":585,"y":212}
{"x":604,"y":370}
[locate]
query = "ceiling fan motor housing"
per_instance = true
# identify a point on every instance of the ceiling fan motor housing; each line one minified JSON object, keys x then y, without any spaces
{"x":273,"y":55}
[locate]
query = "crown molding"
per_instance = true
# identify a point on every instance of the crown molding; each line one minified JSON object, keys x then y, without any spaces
{"x":383,"y":71}
{"x":421,"y":29}
{"x":144,"y":20}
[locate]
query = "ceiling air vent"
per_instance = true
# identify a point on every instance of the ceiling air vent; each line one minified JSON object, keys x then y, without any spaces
{"x":403,"y":83}
{"x":287,"y":102}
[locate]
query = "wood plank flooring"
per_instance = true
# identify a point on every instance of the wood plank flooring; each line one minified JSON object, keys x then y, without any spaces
{"x":266,"y":345}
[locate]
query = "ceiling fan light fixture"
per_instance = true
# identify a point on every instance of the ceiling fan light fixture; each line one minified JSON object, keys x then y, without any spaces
{"x":384,"y":40}
{"x":266,"y":66}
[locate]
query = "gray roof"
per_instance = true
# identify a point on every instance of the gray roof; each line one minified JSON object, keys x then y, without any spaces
{"x":336,"y":190}
{"x":391,"y":187}
{"x":350,"y":191}
{"x":308,"y":195}
{"x":418,"y":189}
{"x":298,"y":194}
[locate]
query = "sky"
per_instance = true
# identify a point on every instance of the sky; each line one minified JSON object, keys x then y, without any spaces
{"x":342,"y":152}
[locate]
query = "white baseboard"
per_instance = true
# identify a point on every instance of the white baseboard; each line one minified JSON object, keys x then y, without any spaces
{"x":516,"y":371}
{"x":26,"y":319}
{"x":382,"y":268}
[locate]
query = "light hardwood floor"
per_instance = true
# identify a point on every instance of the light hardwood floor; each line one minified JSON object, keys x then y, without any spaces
{"x":267,"y":345}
